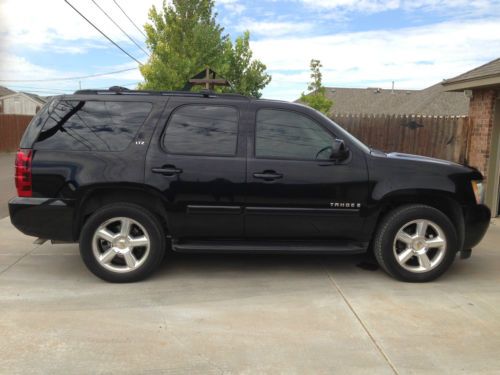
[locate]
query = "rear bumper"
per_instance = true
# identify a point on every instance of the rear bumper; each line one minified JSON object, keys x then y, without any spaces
{"x":476,"y":219}
{"x":46,"y":218}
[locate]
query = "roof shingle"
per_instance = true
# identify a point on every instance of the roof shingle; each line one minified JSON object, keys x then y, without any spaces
{"x":490,"y":69}
{"x":430,"y":101}
{"x":5,"y":91}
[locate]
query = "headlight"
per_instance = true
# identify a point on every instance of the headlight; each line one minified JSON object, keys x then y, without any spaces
{"x":478,"y":188}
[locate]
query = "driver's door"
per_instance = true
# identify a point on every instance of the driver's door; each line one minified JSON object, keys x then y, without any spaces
{"x":293,"y":188}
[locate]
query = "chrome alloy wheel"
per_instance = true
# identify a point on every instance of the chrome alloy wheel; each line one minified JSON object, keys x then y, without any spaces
{"x":419,"y":246}
{"x":121,"y":244}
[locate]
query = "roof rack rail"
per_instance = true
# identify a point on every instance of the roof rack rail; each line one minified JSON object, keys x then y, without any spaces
{"x":118,"y":90}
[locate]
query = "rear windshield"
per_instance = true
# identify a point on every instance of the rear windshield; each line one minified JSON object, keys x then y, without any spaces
{"x":78,"y":125}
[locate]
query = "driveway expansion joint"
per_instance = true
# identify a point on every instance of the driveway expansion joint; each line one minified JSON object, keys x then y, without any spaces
{"x":360,"y":321}
{"x":19,"y":259}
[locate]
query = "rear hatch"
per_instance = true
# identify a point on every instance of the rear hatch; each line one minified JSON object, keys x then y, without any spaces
{"x":24,"y":156}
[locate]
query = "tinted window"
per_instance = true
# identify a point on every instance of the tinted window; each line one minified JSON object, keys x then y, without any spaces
{"x":34,"y":127}
{"x":92,"y":125}
{"x":290,"y":135}
{"x":202,"y":129}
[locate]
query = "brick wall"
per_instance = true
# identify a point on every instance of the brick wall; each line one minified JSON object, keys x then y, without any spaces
{"x":481,"y":114}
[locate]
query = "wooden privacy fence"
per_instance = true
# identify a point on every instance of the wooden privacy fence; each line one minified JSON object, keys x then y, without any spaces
{"x":11,"y":130}
{"x":444,"y":137}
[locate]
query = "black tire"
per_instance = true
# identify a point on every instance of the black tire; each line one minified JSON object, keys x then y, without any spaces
{"x":385,"y":237}
{"x":150,"y":224}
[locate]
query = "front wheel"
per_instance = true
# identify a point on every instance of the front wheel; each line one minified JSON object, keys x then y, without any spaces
{"x":415,"y":243}
{"x":122,"y":242}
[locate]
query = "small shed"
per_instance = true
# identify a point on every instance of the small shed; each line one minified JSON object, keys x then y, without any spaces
{"x":21,"y":103}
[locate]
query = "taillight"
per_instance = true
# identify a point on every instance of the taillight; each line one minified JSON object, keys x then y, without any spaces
{"x":23,"y":173}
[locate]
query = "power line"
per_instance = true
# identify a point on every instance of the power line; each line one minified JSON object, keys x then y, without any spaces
{"x":123,"y":31}
{"x":39,"y":89}
{"x":68,"y":78}
{"x":103,"y":34}
{"x":132,"y":22}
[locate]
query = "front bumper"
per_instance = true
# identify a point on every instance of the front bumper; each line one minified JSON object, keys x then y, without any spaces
{"x":476,"y":219}
{"x":47,"y":218}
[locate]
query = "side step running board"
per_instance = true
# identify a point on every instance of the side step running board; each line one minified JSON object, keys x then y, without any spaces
{"x":233,"y":246}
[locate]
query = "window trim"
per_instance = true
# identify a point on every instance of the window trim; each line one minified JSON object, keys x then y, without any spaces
{"x":54,"y":104}
{"x":163,"y":145}
{"x":327,"y":130}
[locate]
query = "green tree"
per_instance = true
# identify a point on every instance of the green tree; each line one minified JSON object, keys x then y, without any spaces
{"x":317,"y":96}
{"x":247,"y":76}
{"x":184,"y":38}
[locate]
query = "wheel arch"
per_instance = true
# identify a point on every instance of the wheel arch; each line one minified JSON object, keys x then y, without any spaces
{"x":98,"y":196}
{"x":439,"y":200}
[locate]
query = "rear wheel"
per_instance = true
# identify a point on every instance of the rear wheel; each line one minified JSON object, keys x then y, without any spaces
{"x":122,"y":242}
{"x":415,"y":243}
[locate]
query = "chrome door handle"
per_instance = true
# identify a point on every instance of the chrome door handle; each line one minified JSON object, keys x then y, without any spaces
{"x":167,"y":171}
{"x":268,"y":176}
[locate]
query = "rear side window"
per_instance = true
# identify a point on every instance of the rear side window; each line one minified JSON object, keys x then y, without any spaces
{"x":34,"y":127}
{"x":92,"y":125}
{"x":202,"y":130}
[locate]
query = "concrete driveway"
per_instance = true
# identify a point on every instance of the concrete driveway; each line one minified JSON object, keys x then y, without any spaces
{"x":245,"y":314}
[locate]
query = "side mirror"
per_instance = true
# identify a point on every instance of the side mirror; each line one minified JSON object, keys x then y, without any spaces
{"x":340,"y":151}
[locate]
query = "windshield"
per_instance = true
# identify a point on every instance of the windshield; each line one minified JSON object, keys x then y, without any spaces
{"x":345,"y":134}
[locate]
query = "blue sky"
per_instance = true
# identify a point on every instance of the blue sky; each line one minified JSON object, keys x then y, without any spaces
{"x":361,"y":43}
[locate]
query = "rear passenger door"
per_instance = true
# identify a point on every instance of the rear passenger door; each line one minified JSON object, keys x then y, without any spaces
{"x":197,"y":161}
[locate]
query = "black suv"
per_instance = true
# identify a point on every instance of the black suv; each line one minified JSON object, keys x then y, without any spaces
{"x":129,"y":174}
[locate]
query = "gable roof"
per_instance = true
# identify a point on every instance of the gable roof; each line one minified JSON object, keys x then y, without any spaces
{"x":482,"y":76}
{"x":33,"y":97}
{"x":36,"y":97}
{"x":369,"y":100}
{"x":434,"y":100}
{"x":5,"y":91}
{"x":430,"y":101}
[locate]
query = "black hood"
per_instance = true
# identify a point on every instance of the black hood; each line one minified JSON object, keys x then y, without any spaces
{"x":429,"y":161}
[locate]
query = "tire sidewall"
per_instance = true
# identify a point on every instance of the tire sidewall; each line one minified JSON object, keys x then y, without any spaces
{"x":137,"y":213}
{"x":390,"y":227}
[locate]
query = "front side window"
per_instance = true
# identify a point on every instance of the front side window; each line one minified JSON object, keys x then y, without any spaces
{"x":289,"y":135}
{"x":202,"y":130}
{"x":92,"y":125}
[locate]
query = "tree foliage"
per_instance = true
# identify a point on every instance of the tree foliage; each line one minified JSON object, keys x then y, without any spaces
{"x":247,"y":76}
{"x":317,"y":97}
{"x":184,"y":38}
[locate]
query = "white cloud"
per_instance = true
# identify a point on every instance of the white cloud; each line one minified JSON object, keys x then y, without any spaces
{"x":375,"y":6}
{"x":414,"y":57}
{"x":273,"y":28}
{"x":233,"y":6}
{"x":370,"y":6}
{"x":20,"y":69}
{"x":38,"y":24}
